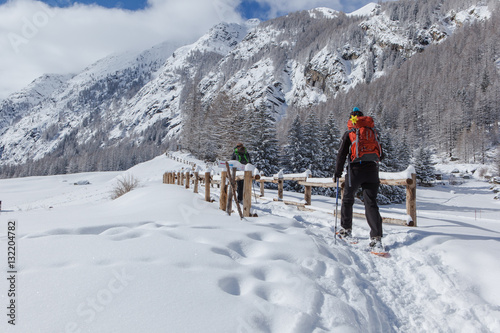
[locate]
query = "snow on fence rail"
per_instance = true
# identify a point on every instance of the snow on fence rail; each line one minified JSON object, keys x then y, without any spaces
{"x":214,"y":176}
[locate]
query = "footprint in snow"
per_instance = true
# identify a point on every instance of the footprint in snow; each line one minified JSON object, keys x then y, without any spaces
{"x":122,"y":233}
{"x":221,"y":251}
{"x":230,"y":285}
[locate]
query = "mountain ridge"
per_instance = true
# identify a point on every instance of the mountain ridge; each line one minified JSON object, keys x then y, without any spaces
{"x":299,"y":60}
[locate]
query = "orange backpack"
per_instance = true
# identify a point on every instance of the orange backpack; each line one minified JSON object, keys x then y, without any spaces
{"x":364,"y":139}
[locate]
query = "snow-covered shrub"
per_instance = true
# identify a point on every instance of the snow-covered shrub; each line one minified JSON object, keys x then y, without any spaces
{"x":391,"y":194}
{"x":382,"y":199}
{"x":124,"y":185}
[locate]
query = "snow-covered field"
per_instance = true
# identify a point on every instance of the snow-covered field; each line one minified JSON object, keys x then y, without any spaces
{"x":160,"y":259}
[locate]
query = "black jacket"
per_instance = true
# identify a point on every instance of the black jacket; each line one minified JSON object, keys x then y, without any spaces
{"x":344,"y":152}
{"x":242,"y":158}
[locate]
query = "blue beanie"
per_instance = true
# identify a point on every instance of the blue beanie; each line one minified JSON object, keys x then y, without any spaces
{"x":356,"y":112}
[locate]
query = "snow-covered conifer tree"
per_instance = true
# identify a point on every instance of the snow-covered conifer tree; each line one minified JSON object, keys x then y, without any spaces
{"x":263,"y":143}
{"x":311,"y":145}
{"x":424,"y":167}
{"x":292,"y":158}
{"x":390,"y":163}
{"x":330,"y":143}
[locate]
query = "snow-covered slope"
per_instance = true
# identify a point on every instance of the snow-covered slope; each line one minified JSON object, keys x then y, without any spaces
{"x":128,"y":92}
{"x":18,"y":104}
{"x":161,"y":98}
{"x":160,"y":259}
{"x":101,"y":88}
{"x":367,"y":10}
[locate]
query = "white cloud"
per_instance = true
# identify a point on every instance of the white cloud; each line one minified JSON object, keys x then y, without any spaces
{"x":281,"y":7}
{"x":36,"y":39}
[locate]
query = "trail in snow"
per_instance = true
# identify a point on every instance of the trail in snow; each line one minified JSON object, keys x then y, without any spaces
{"x":413,"y":288}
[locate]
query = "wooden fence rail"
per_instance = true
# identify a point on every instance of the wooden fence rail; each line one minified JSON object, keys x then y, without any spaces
{"x":308,"y":183}
{"x":187,"y":176}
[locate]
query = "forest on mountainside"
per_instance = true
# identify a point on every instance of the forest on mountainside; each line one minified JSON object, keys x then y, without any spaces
{"x":443,"y":96}
{"x":447,"y":97}
{"x":444,"y":100}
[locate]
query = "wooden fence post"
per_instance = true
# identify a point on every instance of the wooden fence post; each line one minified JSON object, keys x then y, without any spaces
{"x":280,"y":189}
{"x":229,"y":206}
{"x":207,"y":186}
{"x":223,"y":191}
{"x":247,"y":193}
{"x":261,"y":188}
{"x":196,"y":180}
{"x":411,"y":200}
{"x":178,"y":177}
{"x":230,"y":198}
{"x":307,"y":194}
{"x":188,"y":179}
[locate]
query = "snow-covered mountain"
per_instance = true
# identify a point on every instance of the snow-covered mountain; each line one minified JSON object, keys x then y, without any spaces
{"x":23,"y":101}
{"x":297,"y":60}
{"x":54,"y":106}
{"x":162,"y":96}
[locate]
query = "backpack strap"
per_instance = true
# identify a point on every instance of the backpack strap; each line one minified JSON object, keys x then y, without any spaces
{"x":239,"y":156}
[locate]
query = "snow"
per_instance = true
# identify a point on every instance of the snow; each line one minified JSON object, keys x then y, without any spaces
{"x":162,"y":259}
{"x":163,"y":93}
{"x":366,"y":10}
{"x":281,"y":175}
{"x":324,"y":11}
{"x":320,"y":180}
{"x":406,"y":174}
{"x":473,"y":13}
{"x":39,"y":89}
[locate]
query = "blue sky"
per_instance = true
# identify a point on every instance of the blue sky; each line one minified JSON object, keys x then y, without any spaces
{"x":262,"y":9}
{"x":253,"y":9}
{"x":65,"y":36}
{"x":125,"y":4}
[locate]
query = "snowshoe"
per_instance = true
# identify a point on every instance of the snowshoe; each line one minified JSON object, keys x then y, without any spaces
{"x":377,"y":248}
{"x":346,"y":235}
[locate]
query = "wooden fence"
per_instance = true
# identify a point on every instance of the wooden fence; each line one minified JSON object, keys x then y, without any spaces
{"x":308,"y":183}
{"x":193,"y":176}
{"x":188,"y":177}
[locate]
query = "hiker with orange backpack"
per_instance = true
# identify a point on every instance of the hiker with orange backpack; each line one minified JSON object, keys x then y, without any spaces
{"x":360,"y":144}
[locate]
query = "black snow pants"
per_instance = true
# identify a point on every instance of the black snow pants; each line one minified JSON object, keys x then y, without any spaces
{"x":365,"y":175}
{"x":239,"y":190}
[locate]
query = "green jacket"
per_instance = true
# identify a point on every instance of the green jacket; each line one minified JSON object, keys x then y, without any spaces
{"x":242,"y":158}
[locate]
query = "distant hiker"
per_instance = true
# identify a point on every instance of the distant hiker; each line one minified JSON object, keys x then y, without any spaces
{"x":360,"y":143}
{"x":241,"y":155}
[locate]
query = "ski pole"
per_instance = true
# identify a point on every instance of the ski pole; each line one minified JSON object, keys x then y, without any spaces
{"x":336,"y":208}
